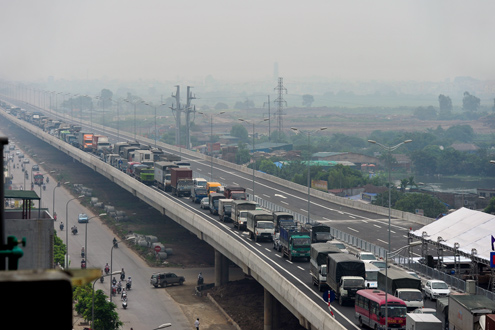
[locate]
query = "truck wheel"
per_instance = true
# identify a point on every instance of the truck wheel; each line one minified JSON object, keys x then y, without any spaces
{"x":181,"y":282}
{"x":290,"y":256}
{"x":256,"y":238}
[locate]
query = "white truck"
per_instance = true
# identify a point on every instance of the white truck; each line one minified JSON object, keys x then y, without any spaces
{"x":225,"y":209}
{"x":239,"y":212}
{"x":422,"y":322}
{"x":402,"y":285}
{"x":260,"y":225}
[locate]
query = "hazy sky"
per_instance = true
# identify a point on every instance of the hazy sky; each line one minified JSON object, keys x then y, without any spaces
{"x":241,"y":40}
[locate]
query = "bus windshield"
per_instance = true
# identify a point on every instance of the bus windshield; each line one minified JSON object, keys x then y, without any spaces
{"x":394,"y":311}
{"x":372,"y":276}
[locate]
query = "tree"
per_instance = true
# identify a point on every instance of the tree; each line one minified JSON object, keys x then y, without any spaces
{"x":470,"y":102}
{"x":430,"y":205}
{"x":240,"y":131}
{"x":242,"y":156}
{"x":59,"y":250}
{"x":105,"y":315}
{"x":445,"y":110}
{"x":221,"y":106}
{"x":423,"y":113}
{"x":247,"y":104}
{"x":105,"y":97}
{"x":307,"y":100}
{"x":491,"y":207}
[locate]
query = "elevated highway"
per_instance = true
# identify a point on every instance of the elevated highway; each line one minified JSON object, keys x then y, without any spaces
{"x":282,"y":282}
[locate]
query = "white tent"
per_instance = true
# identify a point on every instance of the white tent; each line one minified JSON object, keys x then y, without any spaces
{"x":470,"y":229}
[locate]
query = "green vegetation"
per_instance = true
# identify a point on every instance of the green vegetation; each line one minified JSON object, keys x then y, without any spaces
{"x":105,"y":314}
{"x":59,"y":250}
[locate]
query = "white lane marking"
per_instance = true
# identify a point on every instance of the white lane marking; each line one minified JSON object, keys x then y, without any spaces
{"x":268,"y":249}
{"x":300,"y":268}
{"x":266,"y":195}
{"x":382,"y":241}
{"x":377,"y":226}
{"x":357,"y":231}
{"x":284,"y":202}
{"x":281,"y":196}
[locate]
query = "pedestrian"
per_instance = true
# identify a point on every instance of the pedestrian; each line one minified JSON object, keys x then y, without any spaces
{"x":196,"y":323}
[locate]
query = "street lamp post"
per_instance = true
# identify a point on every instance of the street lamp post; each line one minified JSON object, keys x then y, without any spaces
{"x":308,"y":164}
{"x":86,"y":235}
{"x":254,"y":149}
{"x":211,"y":139}
{"x":134,"y":104}
{"x":67,"y":230}
{"x":389,"y":151}
{"x":111,"y":261}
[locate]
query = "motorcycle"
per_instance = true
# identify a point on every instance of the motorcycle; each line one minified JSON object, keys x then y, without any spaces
{"x":119,"y":289}
{"x":107,"y":270}
{"x":47,"y":179}
{"x":124,"y":297}
{"x":82,"y":254}
{"x":61,"y":226}
{"x":83,"y":264}
{"x":102,"y":279}
{"x":122,"y":276}
{"x":74,"y":231}
{"x":115,"y":244}
{"x":124,"y":304}
{"x":128,"y":286}
{"x":114,"y":291}
{"x":44,"y":187}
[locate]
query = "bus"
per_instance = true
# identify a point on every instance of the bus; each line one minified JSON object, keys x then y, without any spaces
{"x":370,"y":310}
{"x":371,"y":280}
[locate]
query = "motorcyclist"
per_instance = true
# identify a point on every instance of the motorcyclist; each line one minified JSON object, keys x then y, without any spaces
{"x":114,"y":242}
{"x":61,"y":226}
{"x":82,"y":252}
{"x":122,"y":275}
{"x":74,"y":230}
{"x":44,"y":186}
{"x":83,"y":264}
{"x":200,"y":279}
{"x":114,"y":281}
{"x":47,"y":179}
{"x":114,"y":288}
{"x":107,"y":268}
{"x":119,"y":287}
{"x":129,"y":283}
{"x":123,"y":296}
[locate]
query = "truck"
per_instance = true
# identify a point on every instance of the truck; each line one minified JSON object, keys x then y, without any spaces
{"x":371,"y":279}
{"x":235,"y":192}
{"x":200,"y":182}
{"x":239,"y":212}
{"x":142,"y":156}
{"x":295,"y":243}
{"x":162,"y":175}
{"x":465,"y":311}
{"x":168,"y":157}
{"x":422,"y":322}
{"x":145,"y":174}
{"x":318,"y":263}
{"x":320,"y":233}
{"x":402,"y":285}
{"x":345,"y":276}
{"x":85,"y":141}
{"x":281,"y":218}
{"x":99,"y":143}
{"x":181,"y":181}
{"x":198,"y":193}
{"x":213,"y":202}
{"x":225,"y":209}
{"x":260,"y":225}
{"x":211,"y":187}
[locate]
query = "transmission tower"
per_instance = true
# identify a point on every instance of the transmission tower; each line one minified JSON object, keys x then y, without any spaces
{"x":188,"y":110}
{"x":280,"y":105}
{"x":177,"y":111}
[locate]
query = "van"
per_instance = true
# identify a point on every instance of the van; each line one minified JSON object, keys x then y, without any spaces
{"x":371,"y":280}
{"x":200,"y":182}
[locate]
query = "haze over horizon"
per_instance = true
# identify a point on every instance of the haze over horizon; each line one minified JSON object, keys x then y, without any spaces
{"x":241,"y":41}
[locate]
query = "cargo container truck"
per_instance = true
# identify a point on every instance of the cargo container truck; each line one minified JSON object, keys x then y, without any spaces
{"x":181,"y":181}
{"x":235,"y":192}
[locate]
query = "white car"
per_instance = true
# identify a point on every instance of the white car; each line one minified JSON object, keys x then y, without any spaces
{"x":436,"y":289}
{"x":366,"y":256}
{"x":205,"y":203}
{"x":339,"y":245}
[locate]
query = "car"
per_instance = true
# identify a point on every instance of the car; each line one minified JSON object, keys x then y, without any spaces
{"x":413,"y":274}
{"x":276,"y":242}
{"x":35,"y":168}
{"x":339,"y":245}
{"x":20,"y":156}
{"x":18,"y":152}
{"x":82,"y":218}
{"x":380,"y":264}
{"x":205,"y":203}
{"x":425,"y":311}
{"x":25,"y":161}
{"x":434,"y":289}
{"x":164,"y":279}
{"x":366,"y":256}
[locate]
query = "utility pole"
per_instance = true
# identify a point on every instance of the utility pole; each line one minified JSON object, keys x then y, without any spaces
{"x":280,"y":105}
{"x":269,"y":119}
{"x":177,"y":113}
{"x":188,"y":111}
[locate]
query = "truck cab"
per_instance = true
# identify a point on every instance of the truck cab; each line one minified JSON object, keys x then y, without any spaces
{"x":225,"y":209}
{"x":260,"y":225}
{"x":213,"y":199}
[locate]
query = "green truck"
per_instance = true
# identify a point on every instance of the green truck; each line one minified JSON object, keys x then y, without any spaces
{"x":295,"y":244}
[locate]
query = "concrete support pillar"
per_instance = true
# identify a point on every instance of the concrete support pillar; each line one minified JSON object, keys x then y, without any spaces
{"x":221,"y":269}
{"x":276,"y":305}
{"x":268,"y":303}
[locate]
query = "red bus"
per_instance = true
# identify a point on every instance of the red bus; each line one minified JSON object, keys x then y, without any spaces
{"x":370,"y":310}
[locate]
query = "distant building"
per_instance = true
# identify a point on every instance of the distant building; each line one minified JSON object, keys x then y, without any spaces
{"x":465,"y":147}
{"x":357,"y":159}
